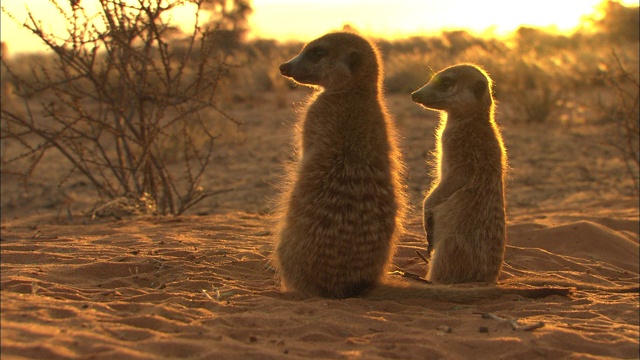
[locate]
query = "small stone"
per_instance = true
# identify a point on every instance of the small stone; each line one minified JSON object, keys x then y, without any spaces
{"x":483,"y":329}
{"x":445,"y":328}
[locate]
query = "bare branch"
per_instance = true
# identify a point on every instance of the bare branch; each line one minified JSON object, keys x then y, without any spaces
{"x":119,"y":88}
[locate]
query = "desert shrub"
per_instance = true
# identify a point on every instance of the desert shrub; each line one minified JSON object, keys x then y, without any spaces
{"x":260,"y":73}
{"x":540,"y":41}
{"x":127,"y":99}
{"x":408,"y":71}
{"x":410,"y":63}
{"x":618,"y":22}
{"x":534,"y":89}
{"x":6,"y":83}
{"x":623,"y":113}
{"x":457,"y":42}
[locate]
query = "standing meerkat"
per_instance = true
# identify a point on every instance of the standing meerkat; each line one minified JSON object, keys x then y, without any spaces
{"x":464,"y":211}
{"x":342,"y":208}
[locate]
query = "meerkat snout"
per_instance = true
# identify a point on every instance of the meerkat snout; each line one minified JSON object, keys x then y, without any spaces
{"x":421,"y":97}
{"x":436,"y":92}
{"x":284,"y":69}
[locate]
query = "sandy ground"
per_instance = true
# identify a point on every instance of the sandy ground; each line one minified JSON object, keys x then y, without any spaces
{"x":200,"y":287}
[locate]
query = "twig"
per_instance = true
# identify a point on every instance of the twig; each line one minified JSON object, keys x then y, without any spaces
{"x":426,"y":261}
{"x":207,"y":294}
{"x":512,"y":322}
{"x":162,"y":264}
{"x":408,"y":275}
{"x":217,"y":293}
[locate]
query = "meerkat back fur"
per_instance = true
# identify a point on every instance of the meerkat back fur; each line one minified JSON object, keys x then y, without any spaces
{"x":464,"y":211}
{"x":344,"y":206}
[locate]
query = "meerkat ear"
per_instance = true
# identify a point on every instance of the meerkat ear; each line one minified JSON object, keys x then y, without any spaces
{"x":479,"y":88}
{"x":353,"y":59}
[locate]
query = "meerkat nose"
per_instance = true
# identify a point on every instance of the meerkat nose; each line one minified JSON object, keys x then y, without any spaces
{"x":414,"y":96}
{"x":284,"y":68}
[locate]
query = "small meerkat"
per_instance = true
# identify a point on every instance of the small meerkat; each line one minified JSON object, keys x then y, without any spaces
{"x":464,"y":211}
{"x":342,"y":209}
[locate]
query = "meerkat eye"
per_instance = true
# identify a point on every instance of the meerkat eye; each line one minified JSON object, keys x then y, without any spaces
{"x":445,"y":84}
{"x":315,"y":54}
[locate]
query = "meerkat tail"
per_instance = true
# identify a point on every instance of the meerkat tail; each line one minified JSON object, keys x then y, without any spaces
{"x":397,"y":290}
{"x":577,"y":285}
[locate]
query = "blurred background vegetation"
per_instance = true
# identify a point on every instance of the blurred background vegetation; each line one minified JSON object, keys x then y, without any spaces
{"x":540,"y":78}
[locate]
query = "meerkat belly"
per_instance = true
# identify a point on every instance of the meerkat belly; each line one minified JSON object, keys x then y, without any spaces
{"x":471,"y":237}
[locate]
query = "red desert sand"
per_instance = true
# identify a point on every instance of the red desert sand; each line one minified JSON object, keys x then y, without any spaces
{"x":201,"y":287}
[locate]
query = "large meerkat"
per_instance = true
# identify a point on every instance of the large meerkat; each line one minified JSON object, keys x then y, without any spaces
{"x":342,"y":209}
{"x":346,"y":203}
{"x":464,"y":211}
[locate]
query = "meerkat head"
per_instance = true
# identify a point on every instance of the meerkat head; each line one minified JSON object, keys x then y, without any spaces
{"x":339,"y":61}
{"x":458,"y":89}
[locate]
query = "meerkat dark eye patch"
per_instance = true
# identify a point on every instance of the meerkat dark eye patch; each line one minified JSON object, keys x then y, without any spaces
{"x":315,"y":54}
{"x":479,"y":88}
{"x":444,"y":83}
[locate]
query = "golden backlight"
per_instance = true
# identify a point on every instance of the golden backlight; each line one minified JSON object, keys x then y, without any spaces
{"x":304,"y":20}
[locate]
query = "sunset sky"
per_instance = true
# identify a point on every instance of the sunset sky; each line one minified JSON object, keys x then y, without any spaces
{"x":305,"y":20}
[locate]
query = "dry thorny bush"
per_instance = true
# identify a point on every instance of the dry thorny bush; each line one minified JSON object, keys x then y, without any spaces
{"x":624,"y":113}
{"x":129,"y":99}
